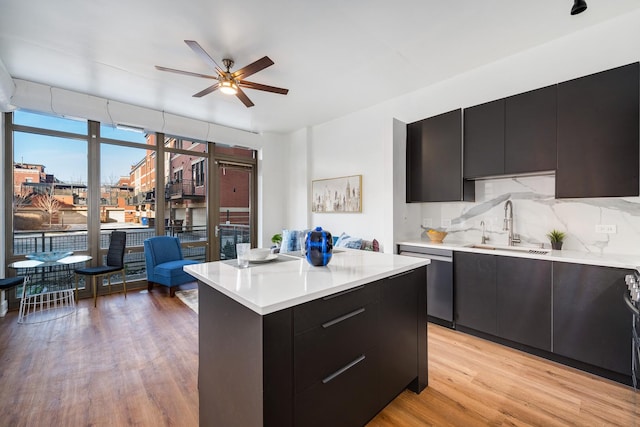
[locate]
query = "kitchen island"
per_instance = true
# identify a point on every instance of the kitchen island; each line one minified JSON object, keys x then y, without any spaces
{"x":284,"y":343}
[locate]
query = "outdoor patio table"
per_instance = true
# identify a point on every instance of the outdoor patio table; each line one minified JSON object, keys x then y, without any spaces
{"x":48,"y":291}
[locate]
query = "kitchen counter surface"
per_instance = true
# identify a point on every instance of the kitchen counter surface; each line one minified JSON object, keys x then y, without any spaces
{"x":289,"y":280}
{"x":576,"y":257}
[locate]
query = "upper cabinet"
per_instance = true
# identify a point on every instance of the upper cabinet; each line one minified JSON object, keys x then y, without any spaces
{"x":434,"y":160}
{"x":598,"y":136}
{"x":530,"y":132}
{"x":484,"y":140}
{"x":515,"y":135}
{"x":587,"y":130}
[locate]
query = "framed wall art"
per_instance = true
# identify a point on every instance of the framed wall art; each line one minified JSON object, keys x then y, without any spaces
{"x":337,"y":195}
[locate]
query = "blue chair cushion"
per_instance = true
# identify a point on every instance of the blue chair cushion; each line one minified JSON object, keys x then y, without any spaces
{"x":170,"y":273}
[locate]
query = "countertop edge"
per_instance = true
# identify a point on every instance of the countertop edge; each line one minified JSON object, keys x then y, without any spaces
{"x":291,"y":302}
{"x":575,"y":257}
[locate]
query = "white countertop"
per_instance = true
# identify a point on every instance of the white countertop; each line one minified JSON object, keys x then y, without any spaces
{"x":268,"y":287}
{"x":576,"y":257}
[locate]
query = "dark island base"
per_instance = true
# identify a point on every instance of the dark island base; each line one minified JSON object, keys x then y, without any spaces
{"x":247,"y":371}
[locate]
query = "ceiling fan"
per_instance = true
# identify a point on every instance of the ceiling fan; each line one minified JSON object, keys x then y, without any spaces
{"x":227,"y":81}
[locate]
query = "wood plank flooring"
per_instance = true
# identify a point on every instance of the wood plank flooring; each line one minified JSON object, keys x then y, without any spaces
{"x":127,"y":362}
{"x":135,"y":361}
{"x":473,"y":382}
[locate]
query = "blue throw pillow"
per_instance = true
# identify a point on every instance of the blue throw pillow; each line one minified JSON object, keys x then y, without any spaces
{"x":292,"y":240}
{"x":338,"y":240}
{"x":345,"y":241}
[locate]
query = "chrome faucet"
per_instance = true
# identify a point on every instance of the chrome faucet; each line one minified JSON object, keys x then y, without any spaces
{"x":508,"y":223}
{"x":484,"y":237}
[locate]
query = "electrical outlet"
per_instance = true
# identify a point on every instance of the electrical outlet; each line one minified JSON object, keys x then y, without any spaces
{"x":427,"y":222}
{"x":445,"y":223}
{"x":606,"y":228}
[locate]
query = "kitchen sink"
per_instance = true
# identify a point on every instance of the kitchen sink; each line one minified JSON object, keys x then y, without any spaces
{"x":521,"y":249}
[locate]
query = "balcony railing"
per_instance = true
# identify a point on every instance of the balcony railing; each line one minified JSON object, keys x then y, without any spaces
{"x":76,"y":241}
{"x":184,"y":189}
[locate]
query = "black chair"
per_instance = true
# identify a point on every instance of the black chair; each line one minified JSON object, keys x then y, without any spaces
{"x":10,"y":282}
{"x":115,"y":264}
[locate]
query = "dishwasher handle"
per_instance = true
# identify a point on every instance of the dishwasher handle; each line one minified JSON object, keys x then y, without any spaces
{"x":431,"y":257}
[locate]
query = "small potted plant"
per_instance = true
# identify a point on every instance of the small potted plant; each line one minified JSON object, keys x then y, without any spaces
{"x":556,"y":237}
{"x":276,"y":239}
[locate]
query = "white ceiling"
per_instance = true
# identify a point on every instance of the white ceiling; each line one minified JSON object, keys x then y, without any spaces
{"x":335,"y":56}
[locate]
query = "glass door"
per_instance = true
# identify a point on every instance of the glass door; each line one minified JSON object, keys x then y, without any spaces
{"x":186,"y":195}
{"x":234,"y":213}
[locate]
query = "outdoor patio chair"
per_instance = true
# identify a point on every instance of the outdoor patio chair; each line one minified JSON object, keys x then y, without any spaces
{"x":114,"y":265}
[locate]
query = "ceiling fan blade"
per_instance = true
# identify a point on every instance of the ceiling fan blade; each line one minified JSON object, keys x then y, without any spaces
{"x":244,"y":98}
{"x":204,"y":55}
{"x":207,"y":90}
{"x":258,"y":86}
{"x":186,"y":73}
{"x":253,"y":68}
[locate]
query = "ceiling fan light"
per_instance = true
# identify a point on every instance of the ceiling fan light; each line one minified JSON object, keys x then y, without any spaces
{"x":578,"y":6}
{"x":228,"y":88}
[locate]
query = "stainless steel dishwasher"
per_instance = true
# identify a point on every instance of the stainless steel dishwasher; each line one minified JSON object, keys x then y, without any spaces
{"x":439,"y":282}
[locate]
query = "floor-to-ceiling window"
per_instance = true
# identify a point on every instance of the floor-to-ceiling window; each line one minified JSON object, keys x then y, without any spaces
{"x":49,"y":183}
{"x":75,"y":181}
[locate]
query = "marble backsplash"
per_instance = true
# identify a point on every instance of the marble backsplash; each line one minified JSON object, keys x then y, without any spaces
{"x":535,"y":213}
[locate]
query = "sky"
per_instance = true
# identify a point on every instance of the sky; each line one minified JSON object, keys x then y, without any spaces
{"x":66,"y":159}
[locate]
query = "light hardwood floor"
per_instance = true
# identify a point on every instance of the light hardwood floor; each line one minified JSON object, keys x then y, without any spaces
{"x":135,"y":361}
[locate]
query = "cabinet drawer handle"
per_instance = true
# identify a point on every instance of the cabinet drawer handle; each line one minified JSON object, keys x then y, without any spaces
{"x":343,"y":369}
{"x":339,"y":294}
{"x":341,"y":318}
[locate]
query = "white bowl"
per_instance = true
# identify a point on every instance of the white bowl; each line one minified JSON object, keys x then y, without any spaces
{"x":259,"y":254}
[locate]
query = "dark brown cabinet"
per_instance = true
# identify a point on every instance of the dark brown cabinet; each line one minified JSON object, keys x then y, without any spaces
{"x":591,"y":323}
{"x":484,"y":140}
{"x":333,"y":361}
{"x":335,"y":350}
{"x":514,"y":135}
{"x":356,"y":351}
{"x":530,"y":132}
{"x":524,"y":301}
{"x":400,"y":320}
{"x":573,"y":313}
{"x":507,"y":297}
{"x":434,"y":160}
{"x":475,"y":291}
{"x":598,"y":135}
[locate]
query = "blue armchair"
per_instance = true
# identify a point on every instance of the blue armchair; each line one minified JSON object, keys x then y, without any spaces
{"x":164,"y":260}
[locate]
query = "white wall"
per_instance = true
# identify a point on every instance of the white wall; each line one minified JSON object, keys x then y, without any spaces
{"x":356,"y":145}
{"x":368,"y":143}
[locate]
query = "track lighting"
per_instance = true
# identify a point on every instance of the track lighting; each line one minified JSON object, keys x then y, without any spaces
{"x":579,"y":6}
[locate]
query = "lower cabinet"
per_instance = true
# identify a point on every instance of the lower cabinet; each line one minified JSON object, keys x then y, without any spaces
{"x":401,"y":321}
{"x":591,"y":323}
{"x":573,"y":311}
{"x":523,"y":289}
{"x":475,"y":291}
{"x":334,"y":361}
{"x":348,"y":399}
{"x":507,"y":297}
{"x":356,"y":351}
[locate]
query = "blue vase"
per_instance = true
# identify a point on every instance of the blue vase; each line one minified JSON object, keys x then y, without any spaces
{"x":318,"y":247}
